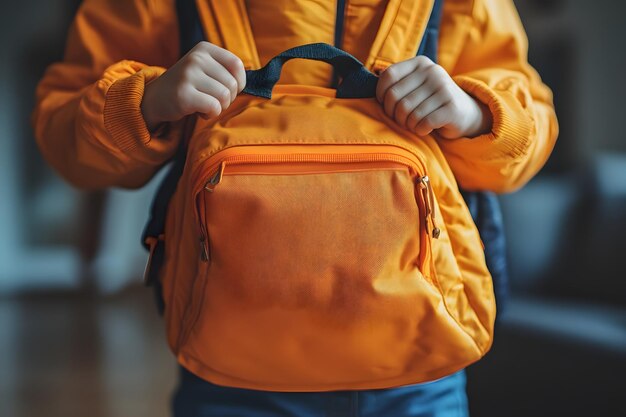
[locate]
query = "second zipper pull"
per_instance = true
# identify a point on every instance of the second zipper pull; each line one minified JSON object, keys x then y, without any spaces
{"x":215,"y":179}
{"x":427,"y":192}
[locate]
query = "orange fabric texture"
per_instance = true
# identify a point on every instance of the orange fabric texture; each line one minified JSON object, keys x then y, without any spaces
{"x":394,"y":321}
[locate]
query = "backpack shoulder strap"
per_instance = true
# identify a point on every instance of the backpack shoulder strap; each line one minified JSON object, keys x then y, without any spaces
{"x":227,"y":25}
{"x":153,"y":236}
{"x":401,"y":31}
{"x":190,"y":30}
{"x":430,"y":41}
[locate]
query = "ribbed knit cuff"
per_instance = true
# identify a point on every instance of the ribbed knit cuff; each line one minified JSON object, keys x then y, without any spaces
{"x":124,"y":120}
{"x":512,"y":126}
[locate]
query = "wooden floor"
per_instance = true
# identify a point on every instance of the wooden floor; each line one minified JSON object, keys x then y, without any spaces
{"x":65,"y":356}
{"x":82,"y":356}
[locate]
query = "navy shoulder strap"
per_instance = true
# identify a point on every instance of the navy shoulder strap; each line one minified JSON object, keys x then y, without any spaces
{"x":190,"y":33}
{"x":189,"y":26}
{"x":430,"y":40}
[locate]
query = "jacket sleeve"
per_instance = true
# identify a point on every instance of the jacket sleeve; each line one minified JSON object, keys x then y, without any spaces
{"x":484,"y":47}
{"x":87,"y":119}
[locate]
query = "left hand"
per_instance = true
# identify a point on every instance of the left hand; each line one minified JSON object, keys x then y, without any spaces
{"x":421,"y":96}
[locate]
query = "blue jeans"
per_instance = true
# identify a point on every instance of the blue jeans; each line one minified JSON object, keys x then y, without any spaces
{"x":444,"y":397}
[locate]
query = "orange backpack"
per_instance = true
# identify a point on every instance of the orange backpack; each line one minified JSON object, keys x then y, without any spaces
{"x":312,"y":244}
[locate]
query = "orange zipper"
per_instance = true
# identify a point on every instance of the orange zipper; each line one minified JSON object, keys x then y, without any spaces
{"x":338,"y":161}
{"x":302,"y":153}
{"x":295,"y":168}
{"x":316,"y":167}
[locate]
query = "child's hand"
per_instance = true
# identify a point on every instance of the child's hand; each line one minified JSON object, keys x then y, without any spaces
{"x":205,"y":81}
{"x":422,"y":97}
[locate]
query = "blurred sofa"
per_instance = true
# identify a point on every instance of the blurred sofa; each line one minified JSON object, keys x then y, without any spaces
{"x":560,"y":347}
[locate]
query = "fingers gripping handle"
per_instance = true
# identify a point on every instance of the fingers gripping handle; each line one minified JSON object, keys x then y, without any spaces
{"x":357,"y":81}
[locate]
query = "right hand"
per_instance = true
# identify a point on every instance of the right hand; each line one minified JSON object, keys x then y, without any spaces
{"x":204,"y":81}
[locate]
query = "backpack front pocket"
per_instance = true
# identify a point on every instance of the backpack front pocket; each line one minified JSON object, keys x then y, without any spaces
{"x":314,"y":261}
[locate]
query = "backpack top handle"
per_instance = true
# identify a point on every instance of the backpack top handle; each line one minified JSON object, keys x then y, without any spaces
{"x":357,"y":81}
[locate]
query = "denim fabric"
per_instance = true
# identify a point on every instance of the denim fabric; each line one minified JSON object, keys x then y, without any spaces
{"x":444,"y":397}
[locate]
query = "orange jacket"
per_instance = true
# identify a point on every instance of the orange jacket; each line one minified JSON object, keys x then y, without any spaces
{"x":89,"y":126}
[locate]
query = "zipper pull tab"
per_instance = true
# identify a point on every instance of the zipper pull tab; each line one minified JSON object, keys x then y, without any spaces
{"x":429,"y":198}
{"x":152,"y":243}
{"x":204,"y":248}
{"x":215,"y":179}
{"x":424,"y":187}
{"x":436,"y":230}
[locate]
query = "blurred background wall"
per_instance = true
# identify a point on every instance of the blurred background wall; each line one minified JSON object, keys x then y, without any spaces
{"x":560,"y":348}
{"x":54,"y":237}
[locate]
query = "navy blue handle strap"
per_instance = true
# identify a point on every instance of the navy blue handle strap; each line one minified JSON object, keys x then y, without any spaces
{"x":357,"y":81}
